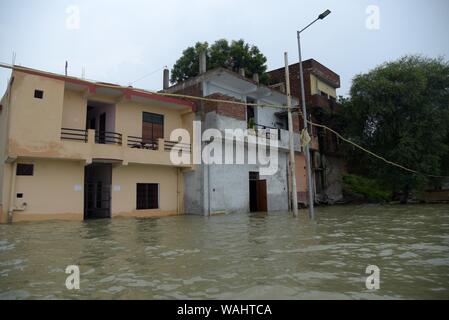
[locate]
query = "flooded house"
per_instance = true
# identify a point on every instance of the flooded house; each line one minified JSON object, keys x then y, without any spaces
{"x":239,"y":187}
{"x":74,"y":149}
{"x":233,"y":188}
{"x":320,"y":87}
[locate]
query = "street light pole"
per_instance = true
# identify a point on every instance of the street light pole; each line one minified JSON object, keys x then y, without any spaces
{"x":304,"y":116}
{"x":290,"y":140}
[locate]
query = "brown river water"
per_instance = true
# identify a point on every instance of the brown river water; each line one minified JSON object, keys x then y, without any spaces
{"x":235,"y":256}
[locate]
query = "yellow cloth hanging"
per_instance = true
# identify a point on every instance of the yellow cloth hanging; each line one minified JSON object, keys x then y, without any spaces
{"x":304,"y":138}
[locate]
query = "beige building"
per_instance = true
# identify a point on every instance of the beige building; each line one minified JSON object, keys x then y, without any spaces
{"x":74,"y":149}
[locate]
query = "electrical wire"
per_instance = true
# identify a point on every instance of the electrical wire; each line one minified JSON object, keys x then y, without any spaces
{"x":147,"y":75}
{"x":296,"y":109}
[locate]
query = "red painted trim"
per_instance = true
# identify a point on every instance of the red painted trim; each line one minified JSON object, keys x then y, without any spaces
{"x":131,"y":92}
{"x":128,"y":92}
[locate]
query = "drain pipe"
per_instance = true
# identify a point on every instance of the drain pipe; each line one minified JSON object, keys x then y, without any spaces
{"x":208,"y":185}
{"x":179,"y":199}
{"x":12,"y":191}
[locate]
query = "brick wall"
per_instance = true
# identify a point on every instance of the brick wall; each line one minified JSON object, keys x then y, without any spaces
{"x":310,"y":67}
{"x":226,"y":109}
{"x":297,"y":123}
{"x":194,"y":90}
{"x":231,"y":110}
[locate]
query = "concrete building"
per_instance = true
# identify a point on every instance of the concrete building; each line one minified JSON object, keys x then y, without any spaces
{"x":75,"y":149}
{"x":321,"y":86}
{"x":213,"y":188}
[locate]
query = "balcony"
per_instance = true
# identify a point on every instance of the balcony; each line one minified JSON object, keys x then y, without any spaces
{"x":264,"y":131}
{"x":74,"y":134}
{"x":177,"y":146}
{"x":140,"y":143}
{"x":324,"y":102}
{"x":113,"y":146}
{"x":106,"y":137}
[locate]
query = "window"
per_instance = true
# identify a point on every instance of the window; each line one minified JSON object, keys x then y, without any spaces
{"x":25,"y":169}
{"x":250,"y":113}
{"x":147,"y":196}
{"x":38,"y":94}
{"x":253,"y":175}
{"x":152,"y":126}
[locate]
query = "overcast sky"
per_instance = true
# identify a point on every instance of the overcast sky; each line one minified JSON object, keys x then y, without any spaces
{"x":121,"y":41}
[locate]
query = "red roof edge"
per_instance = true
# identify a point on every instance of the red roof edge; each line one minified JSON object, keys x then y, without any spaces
{"x":92,"y":87}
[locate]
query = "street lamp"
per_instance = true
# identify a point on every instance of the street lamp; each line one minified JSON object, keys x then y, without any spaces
{"x":304,"y":113}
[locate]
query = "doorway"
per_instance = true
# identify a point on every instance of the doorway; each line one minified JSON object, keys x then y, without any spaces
{"x":257,"y":193}
{"x":97,"y":191}
{"x":102,"y":129}
{"x":100,"y":117}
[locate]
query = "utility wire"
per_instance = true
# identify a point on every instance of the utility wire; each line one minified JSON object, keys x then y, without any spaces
{"x":147,"y":75}
{"x":183,"y":96}
{"x":372,"y":153}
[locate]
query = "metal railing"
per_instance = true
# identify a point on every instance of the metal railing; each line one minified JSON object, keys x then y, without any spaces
{"x":106,"y":137}
{"x":141,"y":143}
{"x":74,"y":134}
{"x":267,"y":133}
{"x":177,"y":146}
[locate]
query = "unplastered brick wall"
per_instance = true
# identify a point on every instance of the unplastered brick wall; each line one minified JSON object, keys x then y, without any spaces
{"x":310,"y":67}
{"x":278,"y":76}
{"x":297,"y":126}
{"x":195,"y":91}
{"x":231,"y":110}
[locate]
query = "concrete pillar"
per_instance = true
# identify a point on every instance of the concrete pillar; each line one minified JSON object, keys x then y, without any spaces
{"x":166,"y":79}
{"x":161,"y":145}
{"x":91,"y":136}
{"x":242,"y":71}
{"x":203,"y":65}
{"x":256,"y":77}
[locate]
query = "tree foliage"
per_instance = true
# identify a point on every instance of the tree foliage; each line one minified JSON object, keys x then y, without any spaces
{"x":233,"y":56}
{"x":400,"y":110}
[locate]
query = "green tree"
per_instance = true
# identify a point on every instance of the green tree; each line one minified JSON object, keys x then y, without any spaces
{"x":400,"y":110}
{"x":233,"y":56}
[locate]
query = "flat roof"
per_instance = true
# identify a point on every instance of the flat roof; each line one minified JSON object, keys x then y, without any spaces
{"x":93,"y":86}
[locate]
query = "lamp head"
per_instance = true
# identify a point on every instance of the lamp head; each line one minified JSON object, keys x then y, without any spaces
{"x":324,"y":14}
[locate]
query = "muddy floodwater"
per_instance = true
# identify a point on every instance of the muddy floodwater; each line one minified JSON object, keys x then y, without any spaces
{"x":235,"y":256}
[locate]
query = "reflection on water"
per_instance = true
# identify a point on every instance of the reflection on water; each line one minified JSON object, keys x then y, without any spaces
{"x":261,"y":256}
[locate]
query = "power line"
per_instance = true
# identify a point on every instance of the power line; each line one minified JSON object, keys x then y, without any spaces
{"x":147,"y":75}
{"x":177,"y":95}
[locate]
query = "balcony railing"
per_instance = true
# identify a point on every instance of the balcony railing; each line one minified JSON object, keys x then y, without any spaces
{"x":74,"y":134}
{"x":106,"y":137}
{"x":178,"y":146}
{"x":140,"y":143}
{"x":260,"y":127}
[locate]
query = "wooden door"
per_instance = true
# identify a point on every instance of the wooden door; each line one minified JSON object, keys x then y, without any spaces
{"x":262,"y":195}
{"x":152,"y":127}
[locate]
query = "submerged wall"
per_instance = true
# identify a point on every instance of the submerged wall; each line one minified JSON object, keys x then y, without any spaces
{"x":55,"y":190}
{"x":124,"y":189}
{"x":335,"y":168}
